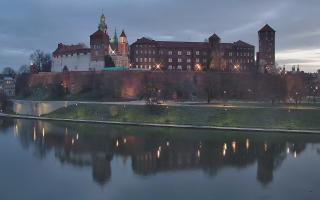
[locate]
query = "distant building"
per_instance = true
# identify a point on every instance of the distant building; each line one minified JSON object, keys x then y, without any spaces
{"x":148,"y":54}
{"x":82,"y":58}
{"x":8,"y":86}
{"x":266,"y":54}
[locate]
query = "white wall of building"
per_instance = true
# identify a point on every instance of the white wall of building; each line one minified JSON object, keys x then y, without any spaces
{"x":75,"y":62}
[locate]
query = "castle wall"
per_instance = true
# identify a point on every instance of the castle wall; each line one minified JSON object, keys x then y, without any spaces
{"x":75,"y":62}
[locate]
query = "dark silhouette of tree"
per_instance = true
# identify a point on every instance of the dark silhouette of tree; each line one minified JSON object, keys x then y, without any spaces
{"x":24,"y":69}
{"x":8,"y":71}
{"x":42,"y":61}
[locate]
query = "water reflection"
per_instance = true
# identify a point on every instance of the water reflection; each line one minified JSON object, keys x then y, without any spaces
{"x":153,"y":151}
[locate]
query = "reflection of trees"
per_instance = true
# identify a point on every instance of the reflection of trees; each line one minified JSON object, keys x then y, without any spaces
{"x":157,"y":153}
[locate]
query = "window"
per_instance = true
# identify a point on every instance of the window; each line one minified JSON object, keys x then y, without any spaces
{"x":188,"y":60}
{"x":154,"y":52}
{"x":145,"y":60}
{"x":141,"y":60}
{"x":197,"y":53}
{"x":188,"y":67}
{"x":170,"y":53}
{"x":179,"y":60}
{"x":197,"y":60}
{"x":188,"y":53}
{"x":204,"y":60}
{"x":137,"y":52}
{"x":161,"y":52}
{"x":150,"y":59}
{"x":179,"y":67}
{"x":170,"y":60}
{"x":179,"y":53}
{"x":170,"y":67}
{"x":137,"y":59}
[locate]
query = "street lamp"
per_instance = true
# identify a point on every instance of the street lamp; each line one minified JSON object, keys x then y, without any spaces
{"x":198,"y":67}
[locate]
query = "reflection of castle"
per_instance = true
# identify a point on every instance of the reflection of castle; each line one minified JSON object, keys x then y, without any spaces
{"x":99,"y":55}
{"x":150,"y":155}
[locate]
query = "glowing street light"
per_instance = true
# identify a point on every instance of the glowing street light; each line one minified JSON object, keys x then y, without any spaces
{"x":198,"y":67}
{"x":237,"y":68}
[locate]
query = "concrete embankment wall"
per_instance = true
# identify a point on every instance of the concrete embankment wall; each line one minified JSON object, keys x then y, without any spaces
{"x":37,"y":108}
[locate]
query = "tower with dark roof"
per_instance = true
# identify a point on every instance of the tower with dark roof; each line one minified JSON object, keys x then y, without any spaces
{"x":99,"y":44}
{"x":123,"y":44}
{"x":266,"y":54}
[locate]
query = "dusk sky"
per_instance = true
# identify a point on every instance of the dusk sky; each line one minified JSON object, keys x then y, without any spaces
{"x":27,"y":25}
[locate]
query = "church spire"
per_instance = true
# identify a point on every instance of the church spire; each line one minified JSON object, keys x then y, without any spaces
{"x":103,"y":25}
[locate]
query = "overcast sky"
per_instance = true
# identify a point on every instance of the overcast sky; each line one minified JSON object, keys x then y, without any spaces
{"x":26,"y":25}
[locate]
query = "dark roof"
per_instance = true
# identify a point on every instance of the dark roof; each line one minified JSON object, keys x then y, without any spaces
{"x":243,"y":44}
{"x":99,"y":34}
{"x":70,"y":49}
{"x":267,"y":28}
{"x":123,"y":34}
{"x":215,"y":37}
{"x":171,"y":44}
{"x":145,"y":40}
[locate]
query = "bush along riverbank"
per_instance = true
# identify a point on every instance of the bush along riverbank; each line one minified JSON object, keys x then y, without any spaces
{"x":269,"y":118}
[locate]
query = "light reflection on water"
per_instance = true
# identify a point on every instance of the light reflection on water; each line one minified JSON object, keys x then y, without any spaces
{"x":142,"y":163}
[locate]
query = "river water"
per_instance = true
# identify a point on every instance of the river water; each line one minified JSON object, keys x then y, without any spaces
{"x":56,"y":160}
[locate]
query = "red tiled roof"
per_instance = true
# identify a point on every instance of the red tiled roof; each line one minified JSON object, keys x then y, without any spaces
{"x":70,"y":49}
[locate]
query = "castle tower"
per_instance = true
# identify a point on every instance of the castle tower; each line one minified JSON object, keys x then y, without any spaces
{"x":99,"y":44}
{"x":123,"y":45}
{"x":266,"y":55}
{"x":215,"y":57}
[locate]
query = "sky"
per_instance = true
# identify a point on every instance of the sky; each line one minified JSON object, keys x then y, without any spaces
{"x":27,"y":25}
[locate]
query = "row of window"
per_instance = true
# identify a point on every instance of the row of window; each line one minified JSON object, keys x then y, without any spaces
{"x":153,"y":52}
{"x":145,"y":59}
{"x":180,"y":60}
{"x":170,"y":60}
{"x":170,"y":53}
{"x":241,"y":61}
{"x":245,"y":54}
{"x":170,"y":67}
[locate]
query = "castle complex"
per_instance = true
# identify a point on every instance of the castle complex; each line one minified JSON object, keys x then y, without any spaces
{"x":81,"y":58}
{"x":149,"y":54}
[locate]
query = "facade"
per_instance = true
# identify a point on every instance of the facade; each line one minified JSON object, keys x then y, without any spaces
{"x":148,"y":54}
{"x":82,"y":58}
{"x":266,"y":54}
{"x":7,"y":86}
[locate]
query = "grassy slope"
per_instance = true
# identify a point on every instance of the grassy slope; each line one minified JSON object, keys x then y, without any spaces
{"x":233,"y":117}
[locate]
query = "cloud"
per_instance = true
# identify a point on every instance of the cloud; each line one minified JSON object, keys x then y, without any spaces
{"x":42,"y":24}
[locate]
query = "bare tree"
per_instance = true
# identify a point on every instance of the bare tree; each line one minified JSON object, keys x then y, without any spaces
{"x":41,"y":60}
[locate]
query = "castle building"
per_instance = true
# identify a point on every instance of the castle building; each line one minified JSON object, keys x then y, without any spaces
{"x":266,"y":54}
{"x":82,"y":58}
{"x":148,"y":54}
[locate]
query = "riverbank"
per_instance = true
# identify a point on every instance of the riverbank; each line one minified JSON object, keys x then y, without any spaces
{"x":230,"y":116}
{"x":254,"y":130}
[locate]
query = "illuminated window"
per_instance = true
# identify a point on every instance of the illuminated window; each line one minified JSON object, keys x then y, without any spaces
{"x":179,"y":60}
{"x":170,"y":60}
{"x":179,"y":53}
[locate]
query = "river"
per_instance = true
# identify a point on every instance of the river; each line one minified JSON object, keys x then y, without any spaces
{"x":57,"y":160}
